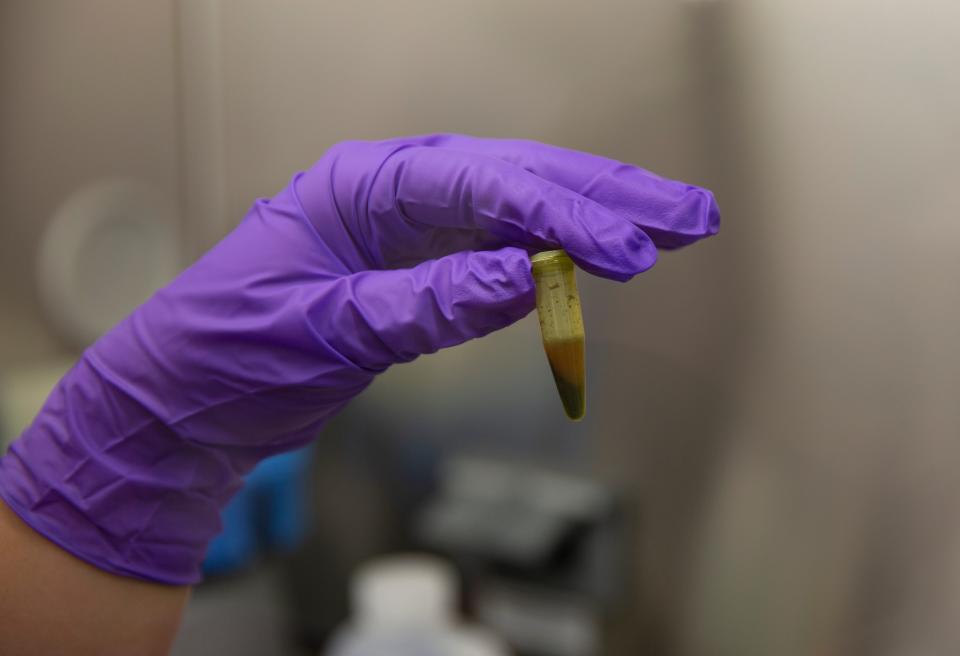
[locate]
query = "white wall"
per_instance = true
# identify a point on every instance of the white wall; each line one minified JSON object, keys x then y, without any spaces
{"x":834,"y":527}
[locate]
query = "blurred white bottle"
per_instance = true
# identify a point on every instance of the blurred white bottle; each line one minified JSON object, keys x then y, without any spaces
{"x":405,"y":606}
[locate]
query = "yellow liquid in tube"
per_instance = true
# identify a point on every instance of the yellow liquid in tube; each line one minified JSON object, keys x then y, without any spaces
{"x":561,"y":326}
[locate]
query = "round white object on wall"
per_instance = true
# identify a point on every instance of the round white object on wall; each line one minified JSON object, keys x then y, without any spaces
{"x":107,"y":248}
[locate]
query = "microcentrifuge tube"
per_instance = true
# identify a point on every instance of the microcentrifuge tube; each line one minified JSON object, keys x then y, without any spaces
{"x":561,"y":326}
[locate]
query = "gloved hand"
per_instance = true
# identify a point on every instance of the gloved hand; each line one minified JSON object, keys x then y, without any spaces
{"x":294,"y":313}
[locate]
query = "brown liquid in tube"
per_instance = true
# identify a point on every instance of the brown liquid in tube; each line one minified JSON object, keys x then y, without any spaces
{"x":566,"y":362}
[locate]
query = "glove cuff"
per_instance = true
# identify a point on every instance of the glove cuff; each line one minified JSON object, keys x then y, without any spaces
{"x":99,"y":476}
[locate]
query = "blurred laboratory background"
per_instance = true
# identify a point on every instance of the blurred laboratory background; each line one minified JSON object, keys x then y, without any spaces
{"x":768,"y":462}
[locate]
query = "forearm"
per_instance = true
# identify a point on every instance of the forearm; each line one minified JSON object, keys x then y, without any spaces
{"x":54,"y":603}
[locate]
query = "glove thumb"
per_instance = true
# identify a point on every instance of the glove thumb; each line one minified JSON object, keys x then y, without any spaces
{"x":379,"y":318}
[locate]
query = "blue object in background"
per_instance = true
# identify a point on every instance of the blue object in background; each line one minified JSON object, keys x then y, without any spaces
{"x":270,"y":513}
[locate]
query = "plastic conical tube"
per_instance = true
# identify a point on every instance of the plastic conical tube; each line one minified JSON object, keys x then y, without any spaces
{"x":561,"y":326}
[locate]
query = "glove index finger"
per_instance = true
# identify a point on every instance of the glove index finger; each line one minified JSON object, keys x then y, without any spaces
{"x":672,"y":213}
{"x":449,"y":189}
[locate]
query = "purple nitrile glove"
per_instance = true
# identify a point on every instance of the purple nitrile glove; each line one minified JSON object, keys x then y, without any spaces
{"x":250,"y":350}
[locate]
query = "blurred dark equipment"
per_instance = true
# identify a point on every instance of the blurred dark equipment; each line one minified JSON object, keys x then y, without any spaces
{"x":543,"y":553}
